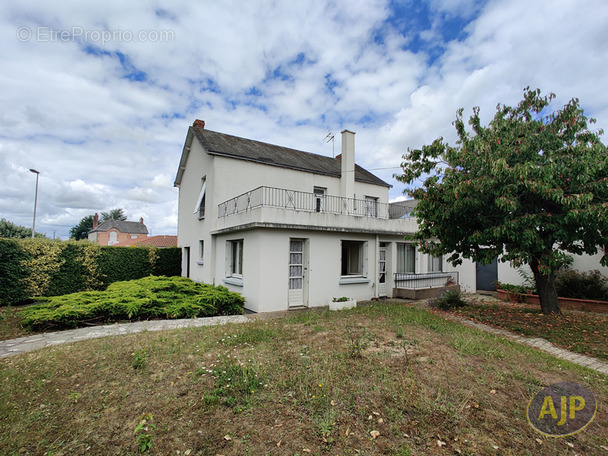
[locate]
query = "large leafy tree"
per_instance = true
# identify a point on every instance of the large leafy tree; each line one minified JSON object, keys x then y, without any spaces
{"x":81,"y":230}
{"x":530,"y":187}
{"x":114,"y":214}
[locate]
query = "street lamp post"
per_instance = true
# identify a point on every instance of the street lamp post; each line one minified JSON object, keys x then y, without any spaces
{"x":37,"y":173}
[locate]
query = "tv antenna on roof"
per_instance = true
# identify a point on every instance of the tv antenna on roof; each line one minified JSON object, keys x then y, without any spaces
{"x":330,"y":137}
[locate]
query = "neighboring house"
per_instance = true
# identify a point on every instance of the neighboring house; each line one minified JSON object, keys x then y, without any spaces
{"x":288,"y":228}
{"x":160,"y":241}
{"x":112,"y":232}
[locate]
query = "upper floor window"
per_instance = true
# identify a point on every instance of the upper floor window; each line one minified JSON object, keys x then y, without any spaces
{"x":319,"y":198}
{"x":199,"y":208}
{"x":371,"y":206}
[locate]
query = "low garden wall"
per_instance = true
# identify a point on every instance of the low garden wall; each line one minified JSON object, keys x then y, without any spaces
{"x":588,"y":305}
{"x":422,"y":293}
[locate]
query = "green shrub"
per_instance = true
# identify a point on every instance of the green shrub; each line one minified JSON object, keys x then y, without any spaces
{"x":448,"y":300}
{"x":582,"y":285}
{"x":123,"y":263}
{"x":72,"y":273}
{"x":516,"y":293}
{"x":42,"y":267}
{"x":13,"y":273}
{"x":146,"y":298}
{"x":168,"y":262}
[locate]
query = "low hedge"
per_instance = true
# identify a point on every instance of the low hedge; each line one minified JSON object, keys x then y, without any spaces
{"x":31,"y":268}
{"x":146,"y":298}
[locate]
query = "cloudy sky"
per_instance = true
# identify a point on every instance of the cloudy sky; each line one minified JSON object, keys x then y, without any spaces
{"x":98,"y":96}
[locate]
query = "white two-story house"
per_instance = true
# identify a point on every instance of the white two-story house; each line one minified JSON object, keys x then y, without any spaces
{"x":292,"y":229}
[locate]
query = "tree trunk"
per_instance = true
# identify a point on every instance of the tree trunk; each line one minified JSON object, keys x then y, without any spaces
{"x":547,"y":294}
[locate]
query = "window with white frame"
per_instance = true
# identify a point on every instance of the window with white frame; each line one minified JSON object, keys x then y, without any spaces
{"x":319,"y":200}
{"x":199,"y":207}
{"x":353,"y":260}
{"x":406,"y":258}
{"x":201,"y":251}
{"x":371,"y":206}
{"x":435,"y":263}
{"x":235,"y":258}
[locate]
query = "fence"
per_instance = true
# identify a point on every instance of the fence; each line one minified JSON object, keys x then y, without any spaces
{"x":425,"y":280}
{"x":308,"y":202}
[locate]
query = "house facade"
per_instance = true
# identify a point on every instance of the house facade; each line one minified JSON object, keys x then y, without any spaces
{"x":290,"y":229}
{"x":113,"y":232}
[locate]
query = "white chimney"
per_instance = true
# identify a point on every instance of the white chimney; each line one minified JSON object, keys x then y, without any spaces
{"x":347,"y":179}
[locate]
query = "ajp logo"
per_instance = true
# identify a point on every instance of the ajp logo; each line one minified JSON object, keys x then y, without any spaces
{"x":562,"y":409}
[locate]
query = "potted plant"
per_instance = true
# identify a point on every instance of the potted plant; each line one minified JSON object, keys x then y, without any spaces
{"x":342,"y":303}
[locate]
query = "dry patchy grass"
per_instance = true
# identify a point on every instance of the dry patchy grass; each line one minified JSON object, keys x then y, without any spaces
{"x":312,"y":383}
{"x":581,"y":332}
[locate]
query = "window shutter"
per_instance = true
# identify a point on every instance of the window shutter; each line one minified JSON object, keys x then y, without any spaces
{"x":228,"y":258}
{"x":201,"y":196}
{"x":364,"y":259}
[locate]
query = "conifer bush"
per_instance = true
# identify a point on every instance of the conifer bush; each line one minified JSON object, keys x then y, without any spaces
{"x":141,"y":299}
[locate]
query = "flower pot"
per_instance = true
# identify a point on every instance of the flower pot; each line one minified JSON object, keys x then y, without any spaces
{"x":341,"y":305}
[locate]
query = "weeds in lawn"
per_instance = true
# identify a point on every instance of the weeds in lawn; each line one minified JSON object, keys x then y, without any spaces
{"x":139,"y":358}
{"x":235,"y":386}
{"x":359,"y":339}
{"x":451,"y":299}
{"x":144,"y":432}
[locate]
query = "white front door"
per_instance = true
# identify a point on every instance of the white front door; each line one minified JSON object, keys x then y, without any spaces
{"x":382,"y":270}
{"x":297,"y":273}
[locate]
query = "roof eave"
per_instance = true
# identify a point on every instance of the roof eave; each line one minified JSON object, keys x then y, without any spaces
{"x":184,"y":158}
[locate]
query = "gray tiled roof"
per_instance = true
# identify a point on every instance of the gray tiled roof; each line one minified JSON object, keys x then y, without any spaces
{"x":122,"y":226}
{"x":247,"y":149}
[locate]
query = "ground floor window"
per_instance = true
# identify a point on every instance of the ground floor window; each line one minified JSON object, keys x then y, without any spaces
{"x":406,"y":258}
{"x":201,"y":251}
{"x":435,"y":263}
{"x":353,"y":258}
{"x":235,"y":258}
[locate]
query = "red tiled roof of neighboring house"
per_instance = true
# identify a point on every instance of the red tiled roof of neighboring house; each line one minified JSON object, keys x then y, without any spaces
{"x":154,"y":241}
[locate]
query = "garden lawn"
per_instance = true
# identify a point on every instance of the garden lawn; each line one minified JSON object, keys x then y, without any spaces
{"x":581,"y":332}
{"x":383,"y":379}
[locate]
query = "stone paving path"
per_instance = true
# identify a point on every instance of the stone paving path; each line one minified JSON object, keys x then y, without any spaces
{"x":540,"y":344}
{"x":25,"y":344}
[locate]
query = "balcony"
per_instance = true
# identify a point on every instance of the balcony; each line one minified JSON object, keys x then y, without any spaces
{"x":277,"y":206}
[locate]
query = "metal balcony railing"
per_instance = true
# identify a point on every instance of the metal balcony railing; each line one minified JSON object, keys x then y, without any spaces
{"x":425,"y":280}
{"x":307,"y":202}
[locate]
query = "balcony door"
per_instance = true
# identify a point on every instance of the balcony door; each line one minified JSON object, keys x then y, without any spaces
{"x":298,"y":277}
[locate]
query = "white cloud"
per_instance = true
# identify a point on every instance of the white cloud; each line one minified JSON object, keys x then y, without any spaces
{"x":105,"y":124}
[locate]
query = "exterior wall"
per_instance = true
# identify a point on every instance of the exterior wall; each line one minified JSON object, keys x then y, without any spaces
{"x":190,"y":229}
{"x":241,"y":176}
{"x":265,"y":281}
{"x":509,"y":274}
